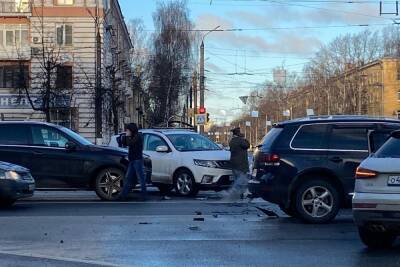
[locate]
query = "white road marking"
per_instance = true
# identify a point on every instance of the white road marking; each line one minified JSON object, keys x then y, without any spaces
{"x":62,"y":259}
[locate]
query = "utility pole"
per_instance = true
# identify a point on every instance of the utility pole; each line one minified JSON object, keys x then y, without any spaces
{"x":202,"y":80}
{"x":202,"y":72}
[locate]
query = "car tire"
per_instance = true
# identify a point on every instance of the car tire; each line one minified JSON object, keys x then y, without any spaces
{"x":376,"y":240}
{"x":317,"y":201}
{"x":108,"y":184}
{"x":184,"y":184}
{"x":165,"y":188}
{"x":8,"y":202}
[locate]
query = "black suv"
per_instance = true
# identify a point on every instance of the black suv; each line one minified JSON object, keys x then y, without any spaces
{"x":307,"y":166}
{"x":59,"y":158}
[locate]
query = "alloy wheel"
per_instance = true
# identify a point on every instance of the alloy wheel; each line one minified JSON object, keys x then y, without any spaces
{"x":317,"y":201}
{"x":184,"y":184}
{"x":111,"y":184}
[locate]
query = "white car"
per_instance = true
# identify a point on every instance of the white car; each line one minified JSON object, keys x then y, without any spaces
{"x":185,"y":161}
{"x":376,"y":201}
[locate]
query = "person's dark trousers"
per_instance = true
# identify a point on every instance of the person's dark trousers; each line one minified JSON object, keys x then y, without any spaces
{"x":134,"y":167}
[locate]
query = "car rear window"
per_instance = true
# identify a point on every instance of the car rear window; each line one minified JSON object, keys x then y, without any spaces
{"x":391,"y":149}
{"x":311,"y":137}
{"x":270,"y":137}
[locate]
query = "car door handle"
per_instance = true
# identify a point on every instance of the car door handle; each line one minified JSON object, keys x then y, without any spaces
{"x":37,"y":153}
{"x":336,"y":159}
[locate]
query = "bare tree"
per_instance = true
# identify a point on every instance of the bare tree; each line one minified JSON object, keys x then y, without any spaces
{"x":171,"y":60}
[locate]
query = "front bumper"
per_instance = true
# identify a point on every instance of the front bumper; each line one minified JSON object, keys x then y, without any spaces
{"x":371,"y":210}
{"x":213,"y":178}
{"x":11,"y":189}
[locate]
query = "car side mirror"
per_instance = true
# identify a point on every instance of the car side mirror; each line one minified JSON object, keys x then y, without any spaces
{"x":70,"y":146}
{"x":162,"y":149}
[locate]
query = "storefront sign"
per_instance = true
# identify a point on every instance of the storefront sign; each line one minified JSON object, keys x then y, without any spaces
{"x":16,"y":101}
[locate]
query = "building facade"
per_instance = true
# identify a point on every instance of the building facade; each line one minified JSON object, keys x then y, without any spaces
{"x":68,"y":62}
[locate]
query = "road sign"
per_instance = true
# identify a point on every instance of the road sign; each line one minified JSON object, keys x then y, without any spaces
{"x":268,"y":123}
{"x":254,"y":114}
{"x":310,"y":112}
{"x":248,"y":123}
{"x":201,"y":119}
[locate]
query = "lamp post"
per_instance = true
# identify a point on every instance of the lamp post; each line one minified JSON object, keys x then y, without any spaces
{"x":202,"y":71}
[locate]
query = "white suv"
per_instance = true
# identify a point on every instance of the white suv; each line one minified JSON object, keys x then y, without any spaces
{"x":376,"y":202}
{"x":185,"y":161}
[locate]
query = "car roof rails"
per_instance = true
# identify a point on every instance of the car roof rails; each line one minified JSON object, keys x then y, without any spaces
{"x":181,"y":126}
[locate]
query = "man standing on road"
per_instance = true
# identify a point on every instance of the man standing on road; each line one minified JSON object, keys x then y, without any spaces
{"x":134,"y":141}
{"x":239,"y":162}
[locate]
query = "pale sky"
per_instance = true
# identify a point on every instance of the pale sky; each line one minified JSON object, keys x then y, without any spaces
{"x":273,"y":33}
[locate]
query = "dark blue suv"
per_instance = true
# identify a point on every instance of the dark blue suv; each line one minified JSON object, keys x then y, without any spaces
{"x":307,"y":166}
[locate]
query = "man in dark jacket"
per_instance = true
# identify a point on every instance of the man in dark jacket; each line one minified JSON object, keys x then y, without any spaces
{"x":134,"y":141}
{"x":239,"y":163}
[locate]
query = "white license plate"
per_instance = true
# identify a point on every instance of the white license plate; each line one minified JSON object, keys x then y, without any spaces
{"x":31,"y":187}
{"x":254,"y":173}
{"x":394,"y":180}
{"x":231,"y":178}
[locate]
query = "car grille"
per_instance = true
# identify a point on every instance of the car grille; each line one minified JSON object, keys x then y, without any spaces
{"x":224,"y":164}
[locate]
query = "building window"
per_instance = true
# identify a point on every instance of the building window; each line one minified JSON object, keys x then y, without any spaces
{"x":65,"y":2}
{"x":64,"y":35}
{"x":11,"y":38}
{"x":398,"y":95}
{"x":64,"y":77}
{"x":14,"y":76}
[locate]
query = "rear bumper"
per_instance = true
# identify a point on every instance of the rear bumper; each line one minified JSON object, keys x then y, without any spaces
{"x":10,"y":189}
{"x":268,"y":187}
{"x":370,"y":209}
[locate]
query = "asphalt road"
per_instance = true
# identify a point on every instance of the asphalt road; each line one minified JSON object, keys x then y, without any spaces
{"x":76,"y":229}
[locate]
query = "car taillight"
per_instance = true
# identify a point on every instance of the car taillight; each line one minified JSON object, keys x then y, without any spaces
{"x":362,"y":173}
{"x":270,"y":158}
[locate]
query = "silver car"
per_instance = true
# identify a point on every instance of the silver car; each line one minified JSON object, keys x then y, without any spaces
{"x":376,"y":202}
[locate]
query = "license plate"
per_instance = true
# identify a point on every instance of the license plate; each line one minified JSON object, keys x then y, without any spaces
{"x":231,"y":178}
{"x":254,"y":173}
{"x":394,"y":181}
{"x":31,"y":187}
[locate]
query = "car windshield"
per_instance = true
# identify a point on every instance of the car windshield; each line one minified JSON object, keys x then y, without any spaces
{"x":391,"y":149}
{"x":82,"y":140}
{"x":192,"y":142}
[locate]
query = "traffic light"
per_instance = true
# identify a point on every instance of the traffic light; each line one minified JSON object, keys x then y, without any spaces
{"x":202,"y":110}
{"x":208,"y":117}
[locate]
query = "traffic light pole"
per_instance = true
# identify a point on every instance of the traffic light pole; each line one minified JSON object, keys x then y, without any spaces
{"x":202,"y":80}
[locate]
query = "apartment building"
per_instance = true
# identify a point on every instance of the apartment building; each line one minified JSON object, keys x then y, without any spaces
{"x":68,"y":62}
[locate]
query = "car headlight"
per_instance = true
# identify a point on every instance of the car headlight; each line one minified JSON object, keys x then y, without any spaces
{"x":206,"y":163}
{"x":9,"y":175}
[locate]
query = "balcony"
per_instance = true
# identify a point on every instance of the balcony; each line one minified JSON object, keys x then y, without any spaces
{"x":15,"y":8}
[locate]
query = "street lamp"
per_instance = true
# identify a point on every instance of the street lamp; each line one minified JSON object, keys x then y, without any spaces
{"x":202,"y":71}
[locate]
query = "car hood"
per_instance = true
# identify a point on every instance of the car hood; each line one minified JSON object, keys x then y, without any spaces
{"x":209,"y":154}
{"x":109,"y":149}
{"x":114,"y":150}
{"x":12,"y":167}
{"x":382,"y":165}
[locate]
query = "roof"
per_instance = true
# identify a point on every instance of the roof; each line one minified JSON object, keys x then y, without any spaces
{"x":28,"y":122}
{"x":169,"y":131}
{"x":337,"y":118}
